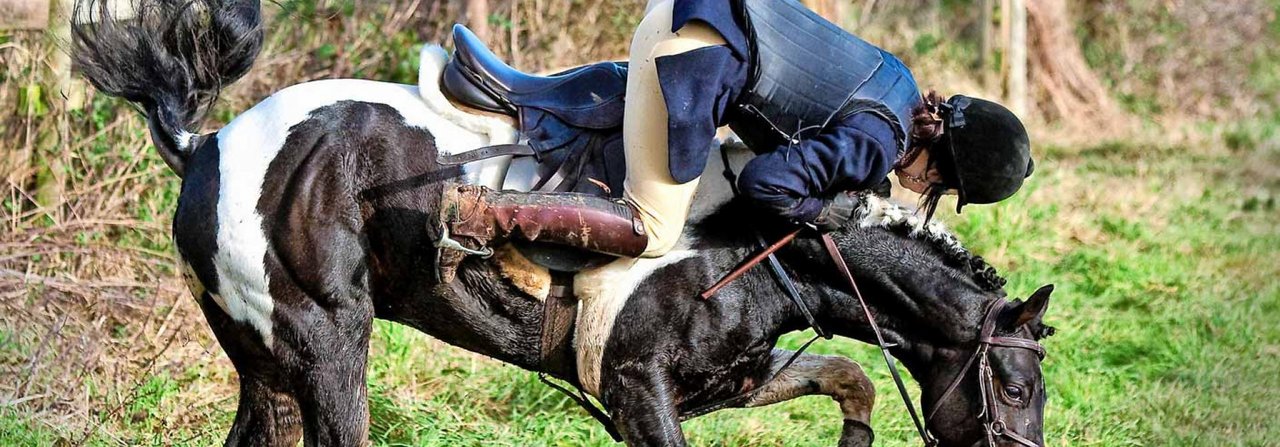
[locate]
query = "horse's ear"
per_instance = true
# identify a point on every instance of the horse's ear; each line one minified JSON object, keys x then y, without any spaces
{"x":1032,"y":310}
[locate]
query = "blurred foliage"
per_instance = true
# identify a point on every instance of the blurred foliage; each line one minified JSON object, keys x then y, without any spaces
{"x":1201,"y":57}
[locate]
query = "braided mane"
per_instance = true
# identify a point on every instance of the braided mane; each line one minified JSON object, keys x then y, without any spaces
{"x":875,"y":211}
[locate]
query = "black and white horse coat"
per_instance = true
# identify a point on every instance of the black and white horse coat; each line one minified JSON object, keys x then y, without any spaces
{"x":315,"y":212}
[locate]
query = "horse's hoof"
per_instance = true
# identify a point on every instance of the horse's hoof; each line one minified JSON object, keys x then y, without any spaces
{"x":856,"y":434}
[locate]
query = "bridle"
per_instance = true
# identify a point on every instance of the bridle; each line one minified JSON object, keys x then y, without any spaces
{"x":990,"y":415}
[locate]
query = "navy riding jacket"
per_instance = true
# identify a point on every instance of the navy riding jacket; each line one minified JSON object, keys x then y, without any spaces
{"x":700,"y":86}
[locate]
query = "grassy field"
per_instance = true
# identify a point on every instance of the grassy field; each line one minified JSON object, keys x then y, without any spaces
{"x":1165,"y":252}
{"x":1167,"y":303}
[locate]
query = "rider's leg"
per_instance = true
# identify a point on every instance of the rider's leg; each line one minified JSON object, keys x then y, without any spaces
{"x":479,"y":215}
{"x":662,"y":203}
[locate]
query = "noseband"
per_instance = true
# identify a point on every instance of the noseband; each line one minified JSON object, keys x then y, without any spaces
{"x":990,"y":415}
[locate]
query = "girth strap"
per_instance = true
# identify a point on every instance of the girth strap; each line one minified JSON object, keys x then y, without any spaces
{"x":555,"y":352}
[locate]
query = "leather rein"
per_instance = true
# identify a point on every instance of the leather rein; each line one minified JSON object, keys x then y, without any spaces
{"x":989,"y":416}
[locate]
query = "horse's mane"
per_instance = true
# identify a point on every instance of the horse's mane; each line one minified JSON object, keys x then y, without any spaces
{"x":875,"y":211}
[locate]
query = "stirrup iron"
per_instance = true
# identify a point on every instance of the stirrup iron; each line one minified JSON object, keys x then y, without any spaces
{"x":447,"y":242}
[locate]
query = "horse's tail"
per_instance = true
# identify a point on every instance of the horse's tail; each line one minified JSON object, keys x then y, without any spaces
{"x":170,"y":57}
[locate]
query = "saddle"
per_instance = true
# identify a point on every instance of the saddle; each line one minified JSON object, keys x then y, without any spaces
{"x":589,"y":97}
{"x":571,"y":123}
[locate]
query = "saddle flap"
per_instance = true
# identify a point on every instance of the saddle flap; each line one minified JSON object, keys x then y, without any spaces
{"x":561,"y":258}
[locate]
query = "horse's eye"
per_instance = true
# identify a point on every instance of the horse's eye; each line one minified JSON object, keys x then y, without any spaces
{"x":1013,"y":391}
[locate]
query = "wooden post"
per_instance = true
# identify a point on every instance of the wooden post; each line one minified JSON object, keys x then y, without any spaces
{"x":1018,"y":57}
{"x":985,"y":24}
{"x":478,"y":18}
{"x":64,"y":95}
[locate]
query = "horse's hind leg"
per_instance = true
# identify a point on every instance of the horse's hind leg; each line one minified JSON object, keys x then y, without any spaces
{"x":838,"y":377}
{"x":332,"y":390}
{"x":310,"y":380}
{"x":268,"y":415}
{"x":323,"y":346}
{"x":265,"y":417}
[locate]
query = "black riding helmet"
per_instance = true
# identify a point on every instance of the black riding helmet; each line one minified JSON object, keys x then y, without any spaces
{"x":989,"y":149}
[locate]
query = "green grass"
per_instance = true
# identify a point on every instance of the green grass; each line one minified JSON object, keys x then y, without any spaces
{"x":1166,"y":304}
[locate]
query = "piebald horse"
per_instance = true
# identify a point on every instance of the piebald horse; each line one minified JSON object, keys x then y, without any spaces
{"x":314,"y":211}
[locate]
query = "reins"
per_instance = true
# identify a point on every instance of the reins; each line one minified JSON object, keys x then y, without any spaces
{"x":834,"y":251}
{"x":788,"y":286}
{"x":989,"y":417}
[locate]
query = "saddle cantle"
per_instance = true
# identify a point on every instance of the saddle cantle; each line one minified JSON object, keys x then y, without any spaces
{"x":590,"y":96}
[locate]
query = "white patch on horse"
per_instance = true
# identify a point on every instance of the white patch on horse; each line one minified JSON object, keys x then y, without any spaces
{"x":193,"y":284}
{"x":248,"y":145}
{"x":184,"y":139}
{"x":603,"y":293}
{"x":714,"y":190}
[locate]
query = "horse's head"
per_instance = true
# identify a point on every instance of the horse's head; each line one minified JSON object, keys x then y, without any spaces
{"x":975,"y":355}
{"x":989,"y":390}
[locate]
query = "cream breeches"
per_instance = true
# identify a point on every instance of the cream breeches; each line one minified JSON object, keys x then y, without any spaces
{"x":663,"y":204}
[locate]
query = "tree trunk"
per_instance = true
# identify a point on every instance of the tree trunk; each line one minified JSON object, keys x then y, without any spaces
{"x":1018,"y":57}
{"x":1066,"y":85}
{"x":478,"y":18}
{"x":832,"y":10}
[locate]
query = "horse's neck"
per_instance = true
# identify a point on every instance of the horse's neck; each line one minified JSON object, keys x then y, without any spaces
{"x":918,"y":303}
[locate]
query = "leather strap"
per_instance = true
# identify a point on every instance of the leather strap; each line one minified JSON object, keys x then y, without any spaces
{"x":788,"y":286}
{"x":834,"y":251}
{"x":559,"y":313}
{"x":484,"y":153}
{"x":990,"y":417}
{"x":748,"y":263}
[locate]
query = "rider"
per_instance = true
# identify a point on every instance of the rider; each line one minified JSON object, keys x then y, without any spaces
{"x":825,"y":111}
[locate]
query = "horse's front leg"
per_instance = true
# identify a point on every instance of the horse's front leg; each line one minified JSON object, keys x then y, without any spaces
{"x":838,"y":377}
{"x":640,"y":399}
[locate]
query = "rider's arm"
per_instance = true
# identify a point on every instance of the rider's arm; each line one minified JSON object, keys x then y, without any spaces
{"x":700,"y":85}
{"x":697,"y":87}
{"x":854,"y":154}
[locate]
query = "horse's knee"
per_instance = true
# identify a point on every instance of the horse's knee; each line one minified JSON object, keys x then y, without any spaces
{"x":845,"y":382}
